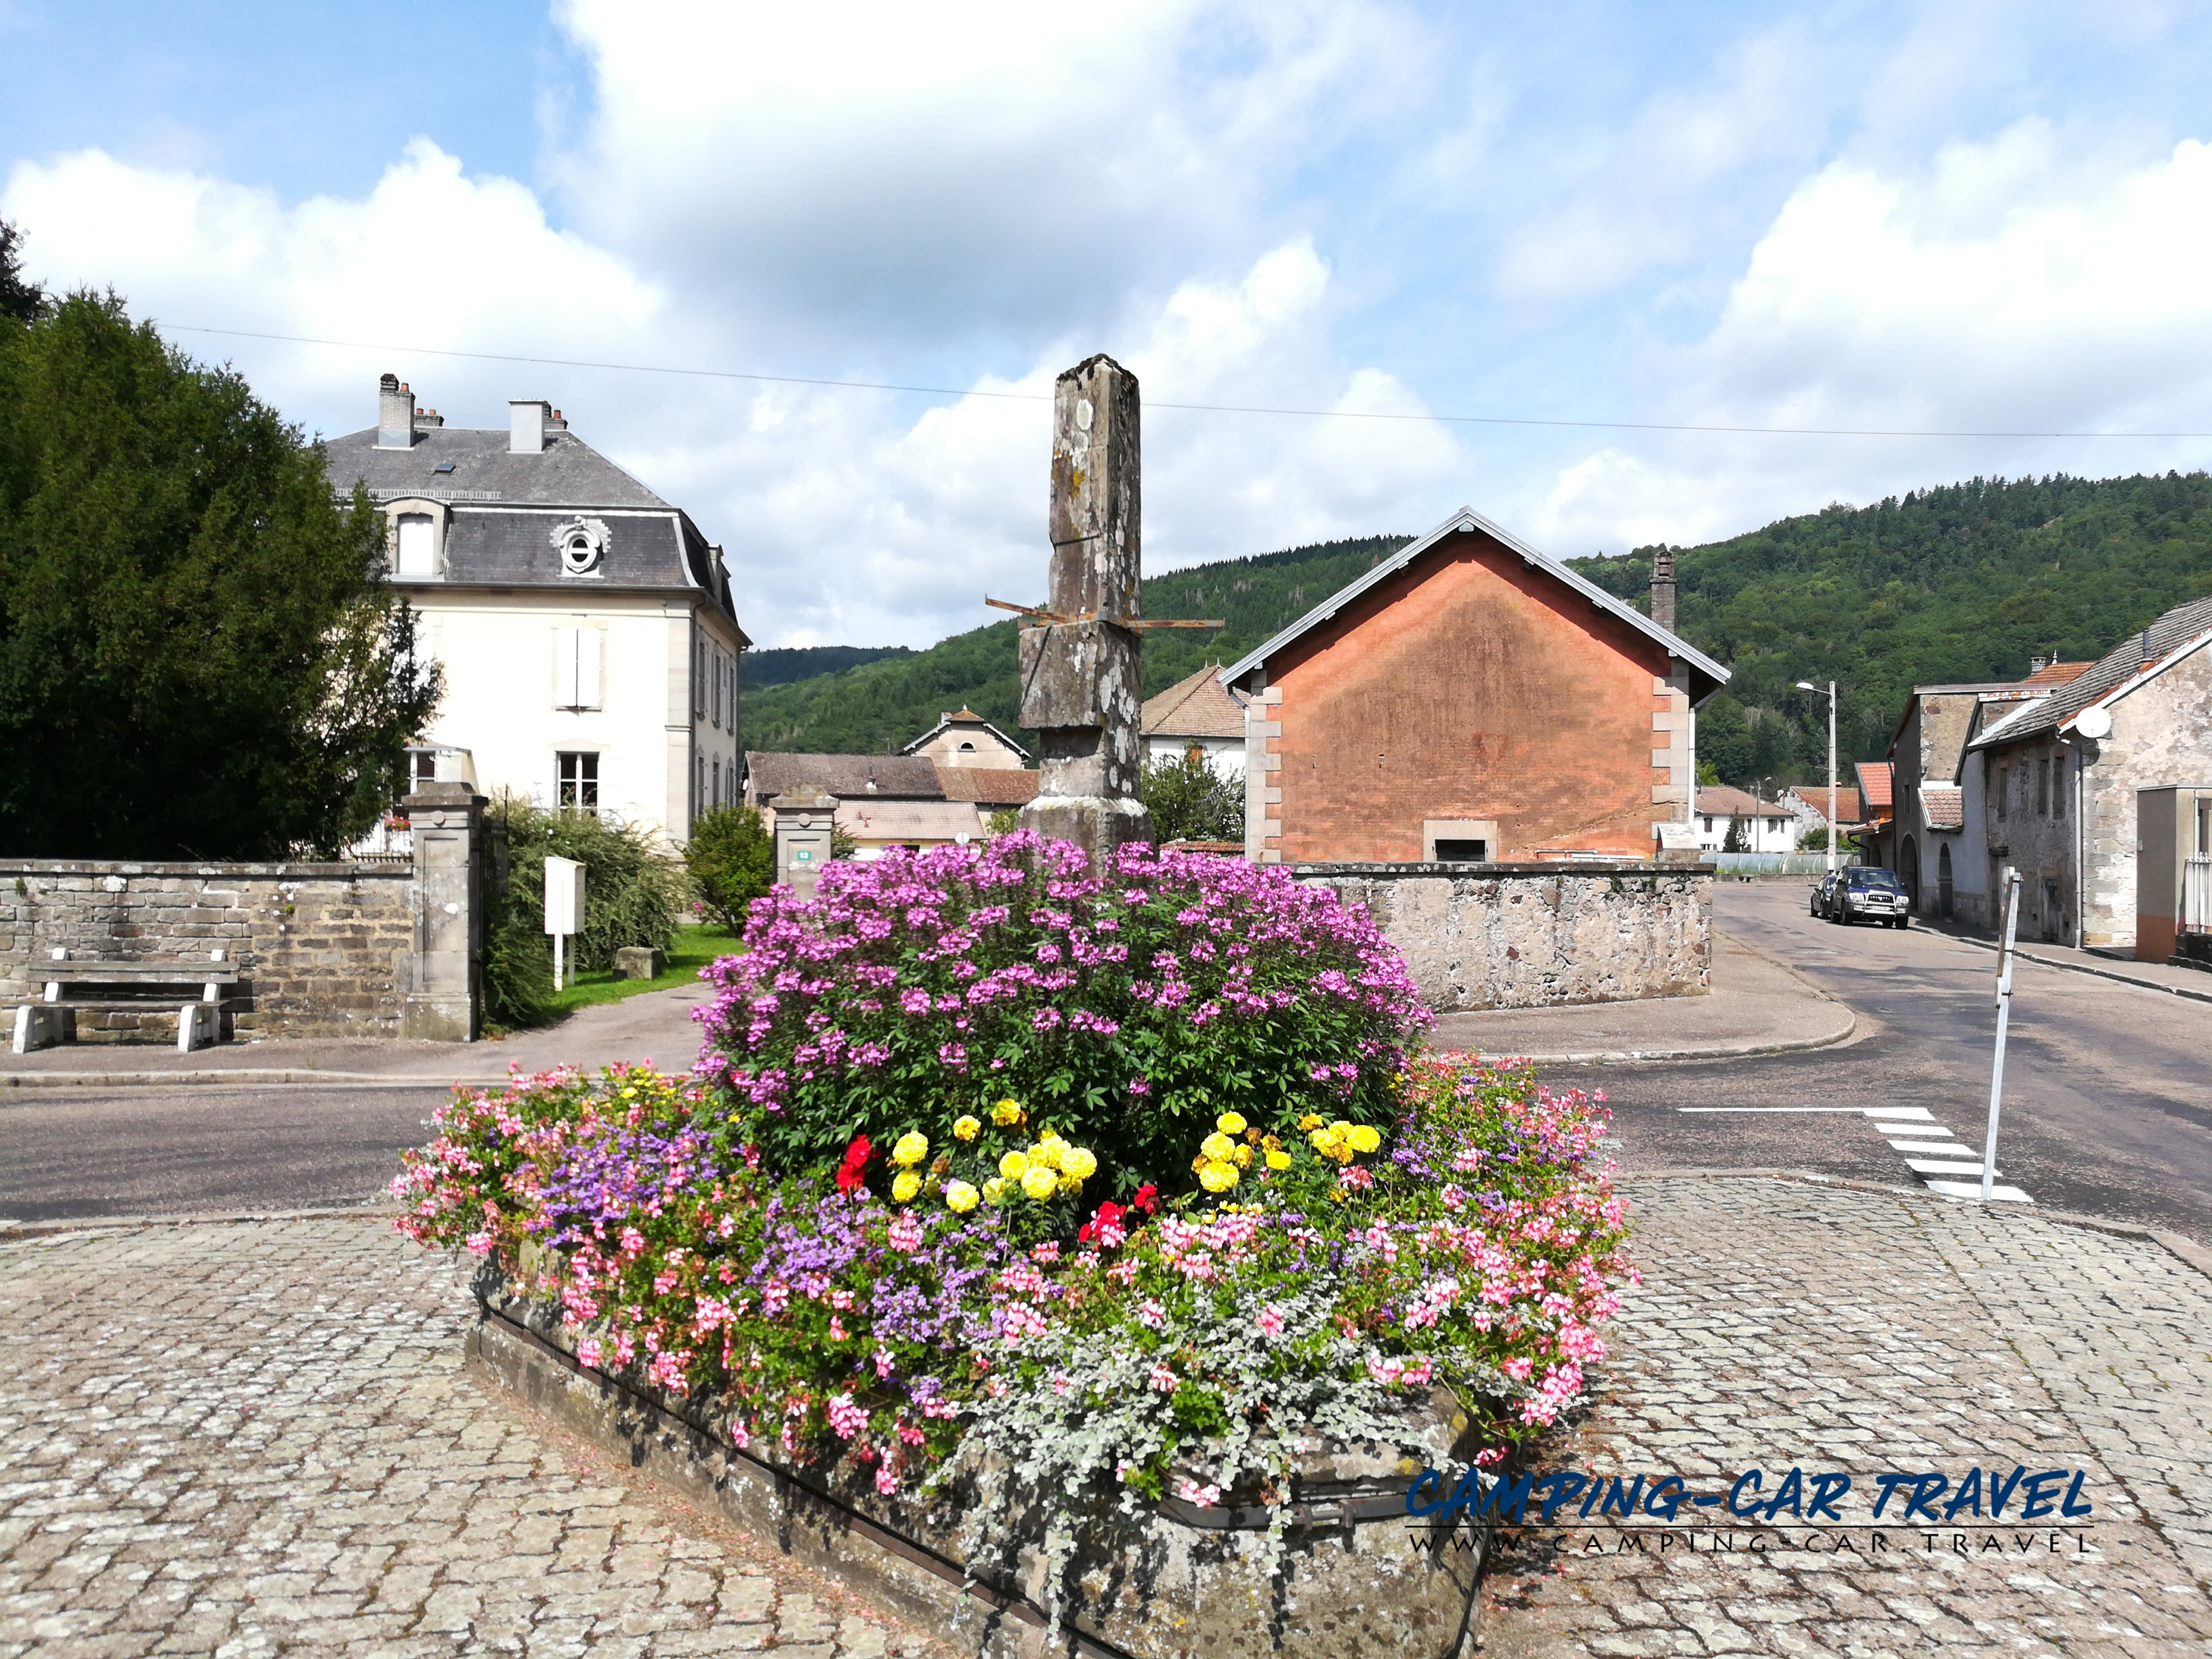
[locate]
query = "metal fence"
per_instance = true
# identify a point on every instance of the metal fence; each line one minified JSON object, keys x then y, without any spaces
{"x":1770,"y":864}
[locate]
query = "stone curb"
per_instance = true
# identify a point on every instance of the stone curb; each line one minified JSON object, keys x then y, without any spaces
{"x":2183,"y":1248}
{"x":2112,"y":974}
{"x":234,"y":1075}
{"x":116,"y":1224}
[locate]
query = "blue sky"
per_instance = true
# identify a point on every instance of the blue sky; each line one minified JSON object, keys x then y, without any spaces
{"x":1941,"y":217}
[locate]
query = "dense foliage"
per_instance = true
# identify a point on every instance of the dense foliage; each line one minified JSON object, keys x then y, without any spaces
{"x":876,"y":708}
{"x":732,"y":859}
{"x":634,"y":894}
{"x":1189,"y":800}
{"x":20,"y":297}
{"x":781,"y":665}
{"x":917,"y":989}
{"x":1172,"y":1346}
{"x":198,"y":655}
{"x":1963,"y":583}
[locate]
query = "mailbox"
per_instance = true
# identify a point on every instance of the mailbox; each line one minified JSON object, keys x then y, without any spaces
{"x":564,"y":897}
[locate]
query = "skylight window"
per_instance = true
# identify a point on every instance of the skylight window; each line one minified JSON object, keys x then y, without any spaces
{"x":443,"y":466}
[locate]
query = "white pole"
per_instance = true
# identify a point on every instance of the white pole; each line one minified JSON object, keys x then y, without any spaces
{"x":556,"y":961}
{"x":1832,"y":777}
{"x":2004,"y":1017}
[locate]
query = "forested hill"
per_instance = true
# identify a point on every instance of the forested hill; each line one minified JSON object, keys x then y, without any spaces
{"x":1960,"y":583}
{"x":1964,"y":582}
{"x":878,"y":707}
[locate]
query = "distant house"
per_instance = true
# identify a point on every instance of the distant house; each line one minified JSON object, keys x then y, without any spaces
{"x":586,"y":628}
{"x":1468,"y":699}
{"x":1873,"y":792}
{"x":1809,"y":806}
{"x":894,"y":801}
{"x":1769,"y":826}
{"x":966,"y":738}
{"x":1927,"y":813}
{"x":1197,"y":715}
{"x":2049,"y":787}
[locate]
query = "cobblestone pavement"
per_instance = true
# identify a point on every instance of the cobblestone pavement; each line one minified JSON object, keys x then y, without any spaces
{"x":258,"y":1439}
{"x":1787,"y":1324}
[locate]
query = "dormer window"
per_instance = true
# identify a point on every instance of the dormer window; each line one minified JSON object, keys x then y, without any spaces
{"x":418,"y":556}
{"x":415,"y":530}
{"x":582,"y":543}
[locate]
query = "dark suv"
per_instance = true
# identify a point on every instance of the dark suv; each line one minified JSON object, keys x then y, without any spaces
{"x":1865,"y":893}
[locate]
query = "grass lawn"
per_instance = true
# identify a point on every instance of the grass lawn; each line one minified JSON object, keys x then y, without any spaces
{"x":695,"y":948}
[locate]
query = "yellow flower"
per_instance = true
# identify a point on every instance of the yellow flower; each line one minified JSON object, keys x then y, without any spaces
{"x":1365,"y":1139}
{"x":1324,"y":1142}
{"x":1070,"y":1184}
{"x":966,"y":1128}
{"x":1050,"y":1151}
{"x":959,"y":1196}
{"x":1217,"y":1177}
{"x":1215,"y":1146}
{"x":994,"y":1190}
{"x":1039,"y":1182}
{"x":1007,"y":1113}
{"x":1309,"y":1123}
{"x":1244,"y":1156}
{"x":906,"y":1184}
{"x":1081,"y":1163}
{"x":912,"y":1147}
{"x":1229,"y":1124}
{"x":1277,"y":1159}
{"x":1013,"y":1166}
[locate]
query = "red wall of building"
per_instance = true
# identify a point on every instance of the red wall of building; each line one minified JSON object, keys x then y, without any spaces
{"x":1468,"y":686}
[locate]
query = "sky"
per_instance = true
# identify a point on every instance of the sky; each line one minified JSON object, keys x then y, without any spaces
{"x":1542,"y":241}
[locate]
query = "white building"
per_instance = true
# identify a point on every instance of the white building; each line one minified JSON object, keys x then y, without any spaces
{"x":584,"y":626}
{"x":1198,"y":715}
{"x":1768,"y":826}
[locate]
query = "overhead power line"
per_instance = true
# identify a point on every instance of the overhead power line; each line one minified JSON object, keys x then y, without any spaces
{"x":1150,"y":403}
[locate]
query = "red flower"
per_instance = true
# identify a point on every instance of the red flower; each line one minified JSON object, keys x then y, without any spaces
{"x":849,"y":1173}
{"x":1146,"y":1197}
{"x":1110,"y":1215}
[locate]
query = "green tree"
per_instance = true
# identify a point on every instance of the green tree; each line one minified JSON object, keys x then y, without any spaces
{"x":731,"y":858}
{"x":199,"y":656}
{"x":1736,"y":840}
{"x":1190,"y":801}
{"x":18,"y":298}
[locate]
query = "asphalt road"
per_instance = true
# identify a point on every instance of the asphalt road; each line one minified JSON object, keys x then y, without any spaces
{"x":2108,"y":1097}
{"x":2108,"y":1088}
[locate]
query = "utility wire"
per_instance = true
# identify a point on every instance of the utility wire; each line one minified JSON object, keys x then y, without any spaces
{"x":1204,"y":409}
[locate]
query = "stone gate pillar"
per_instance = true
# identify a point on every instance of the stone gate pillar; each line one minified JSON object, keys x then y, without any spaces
{"x":1079,"y":686}
{"x":803,"y":818}
{"x":445,"y":985}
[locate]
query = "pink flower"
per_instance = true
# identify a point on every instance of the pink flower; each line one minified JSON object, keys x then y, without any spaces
{"x":1191,"y":1492}
{"x":1150,"y":1311}
{"x":886,"y":1482}
{"x":587,"y":1353}
{"x":906,"y":1233}
{"x":1270,"y":1320}
{"x":1162,"y":1379}
{"x":846,"y":1417}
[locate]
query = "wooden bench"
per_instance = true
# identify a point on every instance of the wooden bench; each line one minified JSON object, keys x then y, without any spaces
{"x":52,"y":1019}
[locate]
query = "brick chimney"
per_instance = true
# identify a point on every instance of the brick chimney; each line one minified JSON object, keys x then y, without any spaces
{"x":395,"y":414}
{"x":1662,"y":586}
{"x":527,"y":419}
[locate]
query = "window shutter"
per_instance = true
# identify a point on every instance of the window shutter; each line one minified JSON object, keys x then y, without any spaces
{"x":591,"y":654}
{"x":564,"y":667}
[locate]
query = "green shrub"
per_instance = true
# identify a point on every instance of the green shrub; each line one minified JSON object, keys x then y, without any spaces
{"x":1190,"y":801}
{"x":634,"y":894}
{"x":732,"y":859}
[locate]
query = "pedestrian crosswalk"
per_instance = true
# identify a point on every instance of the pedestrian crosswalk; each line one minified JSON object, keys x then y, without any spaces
{"x":1945,"y":1165}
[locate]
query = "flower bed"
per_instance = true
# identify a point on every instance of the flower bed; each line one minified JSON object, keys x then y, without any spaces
{"x":1006,"y":1296}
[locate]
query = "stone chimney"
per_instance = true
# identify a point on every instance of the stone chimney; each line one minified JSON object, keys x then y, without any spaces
{"x":395,"y":414}
{"x":1662,"y":586}
{"x":527,"y":420}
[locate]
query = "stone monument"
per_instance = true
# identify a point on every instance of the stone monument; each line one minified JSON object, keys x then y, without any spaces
{"x":1078,"y":657}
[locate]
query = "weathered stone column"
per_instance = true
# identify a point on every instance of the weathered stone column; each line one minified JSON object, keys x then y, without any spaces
{"x":803,"y":818}
{"x":445,"y":987}
{"x":1080,"y":687}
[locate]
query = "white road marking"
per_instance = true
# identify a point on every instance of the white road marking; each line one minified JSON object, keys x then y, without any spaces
{"x":1930,"y":1146}
{"x":1896,"y":1122}
{"x":1973,"y":1189}
{"x":1948,"y":1166}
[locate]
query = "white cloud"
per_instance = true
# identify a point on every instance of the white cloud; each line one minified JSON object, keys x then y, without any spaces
{"x":2003,"y":288}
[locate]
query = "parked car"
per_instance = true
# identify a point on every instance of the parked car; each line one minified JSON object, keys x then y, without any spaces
{"x":1867,"y":893}
{"x":1824,"y":892}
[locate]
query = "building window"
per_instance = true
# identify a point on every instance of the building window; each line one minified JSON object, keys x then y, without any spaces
{"x":715,"y":783}
{"x":1709,"y":826}
{"x":421,"y":768}
{"x":418,"y":553}
{"x":577,"y":655}
{"x":2043,"y":789}
{"x":578,"y":781}
{"x":1462,"y":852}
{"x":2058,"y":789}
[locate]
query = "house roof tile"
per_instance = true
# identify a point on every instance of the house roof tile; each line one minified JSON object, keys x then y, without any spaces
{"x":1722,"y":799}
{"x":895,"y":776}
{"x":1200,"y":706}
{"x":989,"y":786}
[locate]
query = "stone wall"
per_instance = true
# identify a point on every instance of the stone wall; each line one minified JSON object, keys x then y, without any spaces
{"x":1534,"y":935}
{"x":321,"y":948}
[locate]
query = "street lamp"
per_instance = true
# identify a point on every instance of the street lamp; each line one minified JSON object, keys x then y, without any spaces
{"x":1807,"y":685}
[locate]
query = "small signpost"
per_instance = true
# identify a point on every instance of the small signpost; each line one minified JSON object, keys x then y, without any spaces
{"x":564,"y":906}
{"x":2004,"y":1017}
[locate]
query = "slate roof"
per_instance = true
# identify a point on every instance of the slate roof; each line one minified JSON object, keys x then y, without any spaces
{"x":1874,"y":782}
{"x":568,"y":472}
{"x":989,"y":786}
{"x":2136,"y":659}
{"x":1200,"y":706}
{"x":895,"y":776}
{"x":1467,"y":520}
